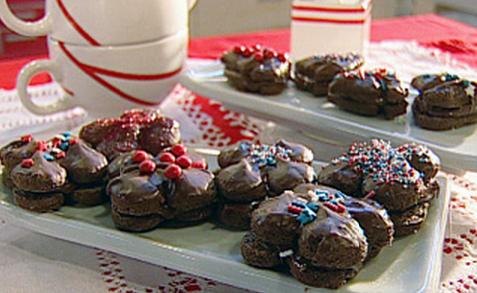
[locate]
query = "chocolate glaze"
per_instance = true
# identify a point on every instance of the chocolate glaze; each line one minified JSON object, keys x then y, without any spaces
{"x":123,"y":163}
{"x":14,"y":152}
{"x":193,"y":190}
{"x":233,"y":154}
{"x":241,"y":182}
{"x":42,"y":177}
{"x":136,"y":194}
{"x":371,"y":216}
{"x":333,"y":241}
{"x":272,"y":223}
{"x":428,"y":81}
{"x":159,"y":135}
{"x":342,"y":176}
{"x":83,"y":164}
{"x":299,"y":152}
{"x":288,"y":174}
{"x":268,"y":76}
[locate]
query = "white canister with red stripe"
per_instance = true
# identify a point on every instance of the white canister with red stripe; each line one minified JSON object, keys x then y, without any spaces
{"x":329,"y":26}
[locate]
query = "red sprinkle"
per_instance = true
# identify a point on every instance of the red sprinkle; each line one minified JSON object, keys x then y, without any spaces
{"x":258,"y":56}
{"x":173,"y":171}
{"x":199,"y":165}
{"x":247,"y":52}
{"x":26,"y":138}
{"x":167,"y":158}
{"x":331,"y":206}
{"x":179,"y":150}
{"x":184,"y":161}
{"x":294,"y":209}
{"x":73,"y":141}
{"x":28,"y":163}
{"x":41,"y":146}
{"x":269,"y":53}
{"x":282,"y":57}
{"x":55,"y":142}
{"x":147,"y":167}
{"x":139,"y":156}
{"x":60,"y":155}
{"x":239,"y":49}
{"x":257,"y":47}
{"x":340,"y":208}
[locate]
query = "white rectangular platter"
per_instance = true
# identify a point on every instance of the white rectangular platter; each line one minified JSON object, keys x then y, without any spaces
{"x":311,"y":115}
{"x":410,"y":265}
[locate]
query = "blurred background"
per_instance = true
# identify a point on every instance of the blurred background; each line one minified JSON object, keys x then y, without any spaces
{"x":240,"y":16}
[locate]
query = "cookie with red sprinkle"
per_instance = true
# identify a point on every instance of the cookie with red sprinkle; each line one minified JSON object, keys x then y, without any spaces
{"x":256,"y":69}
{"x":175,"y":186}
{"x":137,"y":129}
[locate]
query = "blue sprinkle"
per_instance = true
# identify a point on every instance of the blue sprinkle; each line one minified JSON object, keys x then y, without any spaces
{"x":334,"y":201}
{"x":64,"y":146}
{"x":48,"y":157}
{"x":67,"y":133}
{"x":313,"y":206}
{"x":321,"y":192}
{"x":340,"y":194}
{"x":299,"y":204}
{"x":306,"y":217}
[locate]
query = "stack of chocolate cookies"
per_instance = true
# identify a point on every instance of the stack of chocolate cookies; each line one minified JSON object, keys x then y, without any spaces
{"x":318,"y":232}
{"x":445,"y":102}
{"x":314,"y":74}
{"x":256,"y":69}
{"x":401,"y":179}
{"x":145,"y":130}
{"x":369,"y":93}
{"x":252,"y":172}
{"x":173,"y":187}
{"x":45,"y":174}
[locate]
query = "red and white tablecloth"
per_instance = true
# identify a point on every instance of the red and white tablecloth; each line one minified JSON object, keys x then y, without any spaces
{"x":34,"y":263}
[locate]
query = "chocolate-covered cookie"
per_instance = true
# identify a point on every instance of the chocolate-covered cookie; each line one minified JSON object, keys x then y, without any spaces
{"x":175,"y":186}
{"x":422,"y":159}
{"x":38,"y":174}
{"x":256,"y":69}
{"x":137,"y":193}
{"x":369,"y":93}
{"x":84,"y":164}
{"x":133,"y":130}
{"x":427,"y":81}
{"x":251,"y":172}
{"x":315,"y":73}
{"x":446,"y":106}
{"x":371,"y":216}
{"x":13,"y":153}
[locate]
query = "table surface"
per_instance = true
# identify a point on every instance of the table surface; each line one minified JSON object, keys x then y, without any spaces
{"x":27,"y":256}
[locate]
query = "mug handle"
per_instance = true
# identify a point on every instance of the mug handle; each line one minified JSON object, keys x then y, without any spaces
{"x":37,"y":28}
{"x":192,"y":3}
{"x":27,"y":73}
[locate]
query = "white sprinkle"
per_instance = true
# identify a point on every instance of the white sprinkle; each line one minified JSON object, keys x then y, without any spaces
{"x":286,"y":253}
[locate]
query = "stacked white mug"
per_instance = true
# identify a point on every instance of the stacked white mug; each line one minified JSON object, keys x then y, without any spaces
{"x":107,"y":55}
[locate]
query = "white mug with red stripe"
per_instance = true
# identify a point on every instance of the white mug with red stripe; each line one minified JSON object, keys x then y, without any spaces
{"x":107,"y":80}
{"x":329,"y":26}
{"x":104,"y":22}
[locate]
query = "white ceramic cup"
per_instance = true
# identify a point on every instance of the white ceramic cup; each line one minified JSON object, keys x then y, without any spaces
{"x":104,"y":22}
{"x":107,"y":80}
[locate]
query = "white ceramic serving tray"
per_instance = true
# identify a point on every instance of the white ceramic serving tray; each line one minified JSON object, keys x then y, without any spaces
{"x":412,"y":264}
{"x":311,"y":115}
